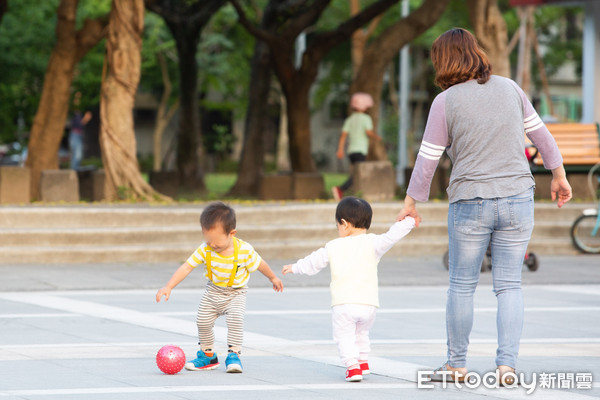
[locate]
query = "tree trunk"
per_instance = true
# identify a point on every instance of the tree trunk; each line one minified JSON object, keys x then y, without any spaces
{"x":360,"y":37}
{"x":189,"y":144}
{"x":386,"y":46}
{"x":119,"y":85}
{"x":49,"y":121}
{"x":185,"y":20}
{"x":163,"y":115}
{"x":283,"y":140}
{"x":523,"y":74}
{"x":490,"y":29}
{"x":252,"y":159}
{"x":298,"y":112}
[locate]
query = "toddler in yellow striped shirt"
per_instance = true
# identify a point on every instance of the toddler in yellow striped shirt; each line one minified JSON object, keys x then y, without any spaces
{"x":229,"y":262}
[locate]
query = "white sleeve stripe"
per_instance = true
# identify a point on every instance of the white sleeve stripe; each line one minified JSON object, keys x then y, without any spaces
{"x":433,"y":146}
{"x":532,"y":116}
{"x":533,"y":122}
{"x":431,"y":152}
{"x":538,"y":126}
{"x":427,"y":156}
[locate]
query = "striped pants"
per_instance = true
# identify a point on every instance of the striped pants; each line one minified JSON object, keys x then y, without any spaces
{"x":219,"y":301}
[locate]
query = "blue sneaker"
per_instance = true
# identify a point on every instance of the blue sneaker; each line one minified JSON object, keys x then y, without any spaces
{"x":233,"y":363}
{"x":203,"y":362}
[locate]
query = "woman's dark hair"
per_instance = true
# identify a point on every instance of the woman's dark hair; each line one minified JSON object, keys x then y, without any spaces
{"x":218,"y":213}
{"x":355,"y":211}
{"x":457,"y":58}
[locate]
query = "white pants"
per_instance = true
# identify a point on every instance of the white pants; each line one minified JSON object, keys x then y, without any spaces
{"x":351,"y":324}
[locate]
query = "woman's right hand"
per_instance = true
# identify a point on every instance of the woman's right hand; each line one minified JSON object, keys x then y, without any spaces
{"x":560,"y":190}
{"x":410,"y":209}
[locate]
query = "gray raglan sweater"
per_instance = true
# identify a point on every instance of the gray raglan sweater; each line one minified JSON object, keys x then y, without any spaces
{"x":481,"y":127}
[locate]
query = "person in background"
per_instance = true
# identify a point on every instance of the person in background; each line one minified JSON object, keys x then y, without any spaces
{"x":357,"y":129}
{"x":78,"y":122}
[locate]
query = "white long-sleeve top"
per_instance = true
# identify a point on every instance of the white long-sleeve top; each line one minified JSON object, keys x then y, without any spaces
{"x":353,"y":262}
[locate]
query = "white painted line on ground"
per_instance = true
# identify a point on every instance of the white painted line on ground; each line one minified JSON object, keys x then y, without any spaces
{"x":119,"y":314}
{"x":593,"y":290}
{"x":265,"y":343}
{"x":269,"y":344}
{"x":578,"y":289}
{"x":47,"y":315}
{"x":499,"y":393}
{"x":472,"y":341}
{"x":387,"y":311}
{"x":208,"y":388}
{"x":76,"y":345}
{"x":311,"y":312}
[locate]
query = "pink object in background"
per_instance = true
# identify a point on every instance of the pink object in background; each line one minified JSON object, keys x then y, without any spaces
{"x":361,"y":101}
{"x":170,"y":359}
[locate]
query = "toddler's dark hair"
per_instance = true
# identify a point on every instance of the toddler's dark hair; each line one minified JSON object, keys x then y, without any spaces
{"x":218,"y":213}
{"x":356,"y":211}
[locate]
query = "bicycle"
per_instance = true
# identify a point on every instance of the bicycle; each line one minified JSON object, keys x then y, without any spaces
{"x":585,"y":232}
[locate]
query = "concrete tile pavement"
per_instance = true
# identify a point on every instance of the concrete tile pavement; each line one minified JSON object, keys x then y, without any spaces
{"x":92,"y":331}
{"x":409,"y":271}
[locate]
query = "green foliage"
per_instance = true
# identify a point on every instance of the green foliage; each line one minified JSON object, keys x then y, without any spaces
{"x":559,"y":31}
{"x":27,"y":37}
{"x":88,"y":73}
{"x":224,"y":55}
{"x":26,"y":40}
{"x":157,"y":39}
{"x":219,"y":141}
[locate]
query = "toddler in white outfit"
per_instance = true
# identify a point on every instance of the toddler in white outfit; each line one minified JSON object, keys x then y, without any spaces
{"x":353,"y":259}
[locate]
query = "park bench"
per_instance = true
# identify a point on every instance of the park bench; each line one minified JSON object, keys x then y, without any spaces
{"x":578,"y":143}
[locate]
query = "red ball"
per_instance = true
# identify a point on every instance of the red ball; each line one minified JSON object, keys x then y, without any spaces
{"x":170,"y":359}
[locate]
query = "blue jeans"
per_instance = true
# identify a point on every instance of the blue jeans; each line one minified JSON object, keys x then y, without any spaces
{"x":505,"y":223}
{"x":76,"y":149}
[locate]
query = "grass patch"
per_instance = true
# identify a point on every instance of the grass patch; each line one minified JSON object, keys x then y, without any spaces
{"x":219,"y":184}
{"x":332,"y":180}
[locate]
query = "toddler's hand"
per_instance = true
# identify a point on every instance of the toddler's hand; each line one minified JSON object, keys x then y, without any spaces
{"x":287,"y":269}
{"x":277,"y":284}
{"x":163,"y":292}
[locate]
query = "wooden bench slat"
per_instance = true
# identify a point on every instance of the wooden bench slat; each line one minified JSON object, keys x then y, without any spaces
{"x":572,"y":161}
{"x":559,"y":128}
{"x":579,"y":144}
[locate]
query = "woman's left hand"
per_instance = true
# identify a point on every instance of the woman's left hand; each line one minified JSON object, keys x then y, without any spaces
{"x":410,"y":209}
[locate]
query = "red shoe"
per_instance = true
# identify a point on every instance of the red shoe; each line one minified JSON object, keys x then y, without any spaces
{"x":337,"y":193}
{"x":364,"y":367}
{"x":354,"y":375}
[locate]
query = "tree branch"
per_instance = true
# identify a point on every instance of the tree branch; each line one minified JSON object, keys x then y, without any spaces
{"x":513,"y":42}
{"x":92,"y":31}
{"x":249,"y":26}
{"x":323,"y":42}
{"x":196,"y":14}
{"x":408,"y":28}
{"x":373,"y":25}
{"x":302,"y":20}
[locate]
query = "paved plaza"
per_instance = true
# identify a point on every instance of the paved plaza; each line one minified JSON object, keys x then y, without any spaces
{"x":92,"y":331}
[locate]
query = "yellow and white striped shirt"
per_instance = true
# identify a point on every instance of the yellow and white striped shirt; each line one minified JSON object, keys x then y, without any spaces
{"x":222,"y":266}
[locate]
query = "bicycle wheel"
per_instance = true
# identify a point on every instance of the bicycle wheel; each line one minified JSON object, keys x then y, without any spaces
{"x":581,"y":234}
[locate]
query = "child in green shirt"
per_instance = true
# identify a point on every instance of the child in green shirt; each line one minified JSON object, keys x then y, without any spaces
{"x":357,"y":128}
